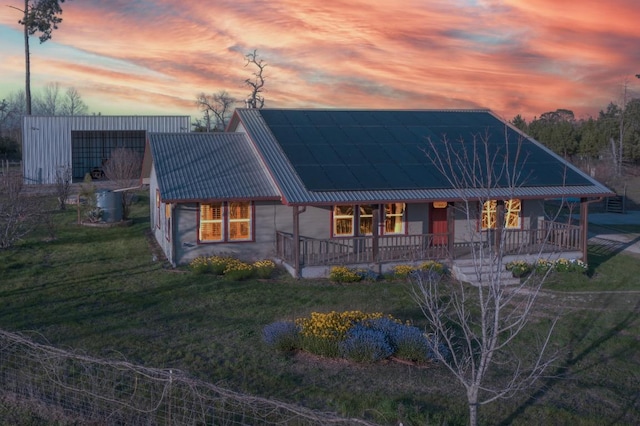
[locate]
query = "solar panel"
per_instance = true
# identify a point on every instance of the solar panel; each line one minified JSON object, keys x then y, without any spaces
{"x":334,"y":150}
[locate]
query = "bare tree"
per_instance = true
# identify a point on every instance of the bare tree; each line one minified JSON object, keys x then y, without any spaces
{"x":478,"y":324}
{"x":38,"y":16}
{"x":18,"y":212}
{"x":63,"y":185}
{"x":49,"y":101}
{"x":216,"y":109}
{"x":256,"y":84}
{"x":72,"y":103}
{"x":123,"y":169}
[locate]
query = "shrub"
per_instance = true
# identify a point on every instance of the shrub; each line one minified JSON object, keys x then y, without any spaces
{"x":569,"y":265}
{"x":519,"y":268}
{"x":342,"y":274}
{"x":332,"y":325}
{"x":403,"y":271}
{"x":282,"y":335}
{"x":368,"y":275}
{"x":264,"y":268}
{"x":237,"y":270}
{"x":410,"y":343}
{"x":432,"y":265}
{"x":542,"y":266}
{"x":199,"y":265}
{"x":363,"y":344}
{"x":218,"y":264}
{"x":437,"y":350}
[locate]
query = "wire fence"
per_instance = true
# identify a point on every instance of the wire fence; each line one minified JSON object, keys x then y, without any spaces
{"x":107,"y":392}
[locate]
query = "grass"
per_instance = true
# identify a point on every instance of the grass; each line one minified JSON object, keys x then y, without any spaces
{"x":99,"y":291}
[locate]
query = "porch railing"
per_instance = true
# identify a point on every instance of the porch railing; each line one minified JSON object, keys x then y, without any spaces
{"x":549,"y":237}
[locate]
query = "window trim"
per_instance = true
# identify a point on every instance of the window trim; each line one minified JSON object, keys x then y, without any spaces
{"x":158,"y":219}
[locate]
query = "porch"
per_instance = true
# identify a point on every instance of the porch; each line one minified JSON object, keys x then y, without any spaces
{"x":369,"y":251}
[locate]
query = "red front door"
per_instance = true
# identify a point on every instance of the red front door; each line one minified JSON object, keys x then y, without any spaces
{"x":438,"y":225}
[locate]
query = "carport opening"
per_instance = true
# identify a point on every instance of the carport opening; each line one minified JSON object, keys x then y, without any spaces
{"x":91,"y":149}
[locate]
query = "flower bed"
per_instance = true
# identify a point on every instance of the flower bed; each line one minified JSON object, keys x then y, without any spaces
{"x":354,"y":335}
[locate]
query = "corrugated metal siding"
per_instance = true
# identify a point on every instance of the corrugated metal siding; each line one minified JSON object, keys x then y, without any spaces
{"x":47,"y":139}
{"x":206,"y":166}
{"x":294,"y":191}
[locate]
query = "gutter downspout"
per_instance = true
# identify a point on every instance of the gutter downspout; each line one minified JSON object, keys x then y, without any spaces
{"x":296,"y":240}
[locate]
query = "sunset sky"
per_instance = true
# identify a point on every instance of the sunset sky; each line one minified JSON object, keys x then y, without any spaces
{"x":513,"y":56}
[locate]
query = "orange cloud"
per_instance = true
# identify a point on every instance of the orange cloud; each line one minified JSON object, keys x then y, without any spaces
{"x":513,"y":56}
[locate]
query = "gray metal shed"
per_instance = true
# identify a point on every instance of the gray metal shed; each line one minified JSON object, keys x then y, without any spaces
{"x":85,"y":142}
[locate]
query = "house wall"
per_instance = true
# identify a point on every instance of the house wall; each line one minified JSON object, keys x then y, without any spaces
{"x":47,"y":140}
{"x":163,"y":232}
{"x":267,"y":217}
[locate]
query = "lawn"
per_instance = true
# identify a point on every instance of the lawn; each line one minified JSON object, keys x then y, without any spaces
{"x":100,"y":291}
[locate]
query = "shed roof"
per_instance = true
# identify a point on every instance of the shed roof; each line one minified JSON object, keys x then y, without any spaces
{"x":209,"y":166}
{"x":329,"y":156}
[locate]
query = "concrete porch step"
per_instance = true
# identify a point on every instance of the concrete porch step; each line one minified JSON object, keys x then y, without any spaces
{"x":478,"y":275}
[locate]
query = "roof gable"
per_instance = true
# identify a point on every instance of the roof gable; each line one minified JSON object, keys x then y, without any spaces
{"x":208,"y":166}
{"x":349,"y":156}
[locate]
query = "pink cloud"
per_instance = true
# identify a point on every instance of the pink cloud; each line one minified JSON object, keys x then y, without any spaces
{"x":512,"y":56}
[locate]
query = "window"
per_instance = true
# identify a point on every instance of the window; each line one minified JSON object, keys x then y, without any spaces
{"x":210,"y":222}
{"x":225,"y":222}
{"x":394,"y":218}
{"x":512,"y":210}
{"x":512,"y":214}
{"x":343,"y":218}
{"x":167,"y":219}
{"x":366,"y":220}
{"x":157,"y":208}
{"x":239,"y":221}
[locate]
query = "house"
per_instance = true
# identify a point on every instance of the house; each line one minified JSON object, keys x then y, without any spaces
{"x":316,"y":188}
{"x":84,"y":143}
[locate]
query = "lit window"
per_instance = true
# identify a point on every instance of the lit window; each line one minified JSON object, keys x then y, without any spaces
{"x":394,"y":218}
{"x":512,"y":210}
{"x":210,"y":222}
{"x":489,"y":214}
{"x":239,"y":221}
{"x":343,"y":220}
{"x":167,"y":218}
{"x":366,"y":220}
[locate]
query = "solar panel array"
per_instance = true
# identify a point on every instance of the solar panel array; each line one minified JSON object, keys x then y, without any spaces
{"x":348,"y":150}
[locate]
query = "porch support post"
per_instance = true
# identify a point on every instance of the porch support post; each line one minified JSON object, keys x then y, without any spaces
{"x":375,"y":211}
{"x":450,"y":230}
{"x":296,"y":242}
{"x":584,"y":228}
{"x":499,"y":225}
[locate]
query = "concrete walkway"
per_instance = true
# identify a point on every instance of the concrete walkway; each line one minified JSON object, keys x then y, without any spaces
{"x":603,"y":231}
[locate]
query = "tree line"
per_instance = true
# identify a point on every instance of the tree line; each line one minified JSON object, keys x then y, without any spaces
{"x":613,"y":135}
{"x":50,"y":100}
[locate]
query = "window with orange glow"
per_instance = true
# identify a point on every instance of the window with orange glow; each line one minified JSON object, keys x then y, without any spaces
{"x":211,"y":222}
{"x":239,"y":221}
{"x":343,"y":218}
{"x":512,"y":209}
{"x":394,"y":218}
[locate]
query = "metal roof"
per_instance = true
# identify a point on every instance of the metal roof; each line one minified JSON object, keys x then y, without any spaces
{"x":348,"y":156}
{"x":209,"y":166}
